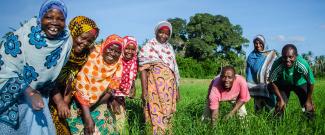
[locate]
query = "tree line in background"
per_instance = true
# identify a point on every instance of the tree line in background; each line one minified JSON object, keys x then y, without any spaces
{"x":206,"y":43}
{"x":317,"y":63}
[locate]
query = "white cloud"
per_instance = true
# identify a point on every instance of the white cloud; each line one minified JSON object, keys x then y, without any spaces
{"x":296,"y":38}
{"x":282,"y":38}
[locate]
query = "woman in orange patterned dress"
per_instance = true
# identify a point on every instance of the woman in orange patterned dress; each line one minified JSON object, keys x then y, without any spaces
{"x":97,"y":79}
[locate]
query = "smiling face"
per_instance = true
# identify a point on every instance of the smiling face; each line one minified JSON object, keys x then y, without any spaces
{"x":227,"y":79}
{"x":83,"y":42}
{"x":53,"y":23}
{"x":129,"y":52}
{"x":112,"y":53}
{"x":162,"y":35}
{"x":258,"y":45}
{"x":289,"y":57}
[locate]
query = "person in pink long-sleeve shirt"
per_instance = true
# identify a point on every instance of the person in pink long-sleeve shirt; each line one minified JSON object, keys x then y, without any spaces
{"x":228,"y":87}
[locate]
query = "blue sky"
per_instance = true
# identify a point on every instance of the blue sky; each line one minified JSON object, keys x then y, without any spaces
{"x":301,"y":22}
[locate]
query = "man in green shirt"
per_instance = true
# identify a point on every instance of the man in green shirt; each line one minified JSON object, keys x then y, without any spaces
{"x":289,"y":73}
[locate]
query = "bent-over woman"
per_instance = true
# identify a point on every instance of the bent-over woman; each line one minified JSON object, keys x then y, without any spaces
{"x":97,"y":79}
{"x":32,"y":58}
{"x":84,"y":31}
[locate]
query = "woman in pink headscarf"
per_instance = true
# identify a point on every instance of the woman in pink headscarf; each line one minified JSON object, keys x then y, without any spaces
{"x":127,"y":87}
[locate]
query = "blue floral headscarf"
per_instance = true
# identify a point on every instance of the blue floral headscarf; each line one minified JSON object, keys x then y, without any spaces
{"x":51,"y":4}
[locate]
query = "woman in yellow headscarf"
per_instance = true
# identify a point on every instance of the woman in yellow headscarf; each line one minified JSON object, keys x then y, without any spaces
{"x":84,"y":31}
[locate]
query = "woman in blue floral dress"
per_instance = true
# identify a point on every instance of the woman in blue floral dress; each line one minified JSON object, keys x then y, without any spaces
{"x":30,"y":60}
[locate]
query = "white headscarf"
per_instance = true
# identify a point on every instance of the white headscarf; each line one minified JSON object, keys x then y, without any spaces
{"x":261,"y":38}
{"x":162,"y":24}
{"x":154,"y":51}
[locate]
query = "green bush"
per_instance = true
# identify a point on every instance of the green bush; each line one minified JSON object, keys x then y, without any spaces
{"x":192,"y":68}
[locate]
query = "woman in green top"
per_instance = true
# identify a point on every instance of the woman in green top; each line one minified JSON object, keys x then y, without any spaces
{"x":292,"y":73}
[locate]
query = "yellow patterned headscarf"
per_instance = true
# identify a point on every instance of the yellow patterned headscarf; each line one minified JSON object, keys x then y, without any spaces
{"x":82,"y":24}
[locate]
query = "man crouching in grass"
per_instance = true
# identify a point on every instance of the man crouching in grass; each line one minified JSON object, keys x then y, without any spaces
{"x":228,"y":87}
{"x":291,"y":72}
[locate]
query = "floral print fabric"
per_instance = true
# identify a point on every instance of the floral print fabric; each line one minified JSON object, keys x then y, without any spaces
{"x":130,"y":68}
{"x":153,"y":51}
{"x":28,"y":55}
{"x":160,"y":103}
{"x":103,"y":119}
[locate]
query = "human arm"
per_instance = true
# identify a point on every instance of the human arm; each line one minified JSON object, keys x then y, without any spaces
{"x":34,"y":98}
{"x":87,"y":120}
{"x":178,"y":96}
{"x":104,"y":99}
{"x":83,"y":98}
{"x":67,"y":98}
{"x":61,"y":105}
{"x":280,"y":105}
{"x":144,"y":84}
{"x":132,"y":90}
{"x":209,"y":89}
{"x":309,"y":103}
{"x":237,"y":106}
{"x":214,"y":115}
{"x":243,"y":96}
{"x":213,"y":102}
{"x":309,"y":106}
{"x":68,"y":91}
{"x":275,"y":74}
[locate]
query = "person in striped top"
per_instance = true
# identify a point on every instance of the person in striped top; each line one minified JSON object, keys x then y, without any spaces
{"x":291,"y":72}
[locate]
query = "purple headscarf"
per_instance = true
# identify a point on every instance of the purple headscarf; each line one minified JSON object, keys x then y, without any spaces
{"x":52,"y":4}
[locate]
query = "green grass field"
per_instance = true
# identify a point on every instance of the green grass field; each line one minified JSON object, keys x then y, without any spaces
{"x":187,"y":119}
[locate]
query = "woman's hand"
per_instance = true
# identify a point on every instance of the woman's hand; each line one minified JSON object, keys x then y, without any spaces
{"x":132,"y":91}
{"x":280,"y":106}
{"x":34,"y":98}
{"x":62,"y":104}
{"x":63,"y":109}
{"x":116,"y":106}
{"x":89,"y":126}
{"x":178,"y":96}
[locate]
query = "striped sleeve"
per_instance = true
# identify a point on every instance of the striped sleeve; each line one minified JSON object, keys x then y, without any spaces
{"x":302,"y":68}
{"x":275,"y":70}
{"x":305,"y":69}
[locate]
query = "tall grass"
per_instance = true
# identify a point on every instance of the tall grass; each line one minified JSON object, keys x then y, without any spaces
{"x":187,"y":119}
